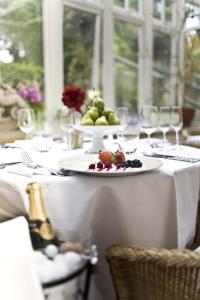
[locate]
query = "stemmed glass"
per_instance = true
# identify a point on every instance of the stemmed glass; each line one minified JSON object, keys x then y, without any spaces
{"x":164,"y":122}
{"x":26,"y":120}
{"x":149,"y":120}
{"x":176,"y":122}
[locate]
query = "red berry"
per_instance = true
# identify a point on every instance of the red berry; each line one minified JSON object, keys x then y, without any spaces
{"x":119,"y":157}
{"x":107,"y":165}
{"x":99,"y":165}
{"x":92,"y":166}
{"x":106,"y":156}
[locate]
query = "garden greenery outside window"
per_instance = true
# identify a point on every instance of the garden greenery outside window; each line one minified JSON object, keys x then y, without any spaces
{"x":126,"y":49}
{"x":21,"y":42}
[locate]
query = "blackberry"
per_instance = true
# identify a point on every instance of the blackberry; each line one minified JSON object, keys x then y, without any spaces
{"x":91,"y":166}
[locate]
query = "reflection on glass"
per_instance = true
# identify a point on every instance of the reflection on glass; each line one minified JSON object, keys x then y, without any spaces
{"x":81,"y":40}
{"x":125,"y":50}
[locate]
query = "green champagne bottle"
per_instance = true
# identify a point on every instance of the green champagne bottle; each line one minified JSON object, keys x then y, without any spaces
{"x":41,"y":231}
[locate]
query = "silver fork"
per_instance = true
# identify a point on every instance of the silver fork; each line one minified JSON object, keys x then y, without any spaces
{"x":27,"y":160}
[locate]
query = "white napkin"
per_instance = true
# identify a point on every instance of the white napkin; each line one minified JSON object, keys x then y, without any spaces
{"x":10,"y":156}
{"x":28,"y":172}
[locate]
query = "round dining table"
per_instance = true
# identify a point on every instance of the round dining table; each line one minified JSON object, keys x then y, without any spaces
{"x":153,"y":208}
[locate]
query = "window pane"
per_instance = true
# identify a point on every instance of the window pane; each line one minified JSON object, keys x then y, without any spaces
{"x":163,"y":9}
{"x":126,"y":58}
{"x":21,"y":55}
{"x":192,"y":66}
{"x":133,"y":4}
{"x":162,"y":88}
{"x":157,"y":9}
{"x":81,"y":42}
{"x":119,"y":2}
{"x":168,"y":10}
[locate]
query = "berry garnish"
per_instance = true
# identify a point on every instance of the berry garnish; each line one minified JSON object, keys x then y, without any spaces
{"x":119,"y":157}
{"x":107,"y":165}
{"x":106,"y":156}
{"x":99,"y":165}
{"x":91,"y":166}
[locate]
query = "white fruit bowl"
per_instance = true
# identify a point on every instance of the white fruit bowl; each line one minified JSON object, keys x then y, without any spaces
{"x":98,"y":133}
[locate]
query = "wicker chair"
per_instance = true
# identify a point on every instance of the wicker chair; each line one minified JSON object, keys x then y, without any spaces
{"x":155,"y":274}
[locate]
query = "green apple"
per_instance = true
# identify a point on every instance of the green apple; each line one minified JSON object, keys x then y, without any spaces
{"x":101,"y":121}
{"x":86,"y":121}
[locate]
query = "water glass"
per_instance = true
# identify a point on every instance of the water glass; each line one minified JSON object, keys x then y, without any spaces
{"x":128,"y":141}
{"x":122,"y":114}
{"x":43,"y":139}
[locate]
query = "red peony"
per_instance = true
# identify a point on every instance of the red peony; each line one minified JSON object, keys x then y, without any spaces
{"x":73,"y":97}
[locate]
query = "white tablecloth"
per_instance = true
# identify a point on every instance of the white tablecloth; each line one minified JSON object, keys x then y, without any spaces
{"x":156,"y":208}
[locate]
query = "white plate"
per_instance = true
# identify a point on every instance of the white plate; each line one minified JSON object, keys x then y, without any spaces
{"x":81,"y":164}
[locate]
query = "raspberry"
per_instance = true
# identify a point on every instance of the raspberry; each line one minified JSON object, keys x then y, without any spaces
{"x":99,"y":165}
{"x":91,"y":166}
{"x":107,"y":165}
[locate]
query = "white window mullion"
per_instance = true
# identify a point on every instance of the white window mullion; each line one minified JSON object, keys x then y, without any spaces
{"x":53,"y":54}
{"x":96,"y":50}
{"x":146,"y":56}
{"x":180,"y":4}
{"x":108,"y":68}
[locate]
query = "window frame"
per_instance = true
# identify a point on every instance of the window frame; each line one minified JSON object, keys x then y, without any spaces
{"x":53,"y":11}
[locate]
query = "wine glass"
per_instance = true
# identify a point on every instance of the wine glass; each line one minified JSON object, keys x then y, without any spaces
{"x":176,"y":122}
{"x":26,"y":120}
{"x":149,"y":120}
{"x":164,"y":122}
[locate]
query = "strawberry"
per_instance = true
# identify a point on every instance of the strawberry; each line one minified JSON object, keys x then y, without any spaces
{"x":106,"y":157}
{"x":119,"y":157}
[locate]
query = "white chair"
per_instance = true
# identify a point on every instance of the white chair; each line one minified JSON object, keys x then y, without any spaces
{"x":18,"y":277}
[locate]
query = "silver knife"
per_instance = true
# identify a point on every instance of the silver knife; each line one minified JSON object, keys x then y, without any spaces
{"x":173,"y":157}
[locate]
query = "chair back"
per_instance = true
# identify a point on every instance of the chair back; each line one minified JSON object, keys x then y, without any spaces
{"x":154,"y":274}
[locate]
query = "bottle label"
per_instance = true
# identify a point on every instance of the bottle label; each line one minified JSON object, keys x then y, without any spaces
{"x":46,"y":231}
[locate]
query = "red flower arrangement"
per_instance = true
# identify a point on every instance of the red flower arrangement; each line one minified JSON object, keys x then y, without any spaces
{"x":73,"y":97}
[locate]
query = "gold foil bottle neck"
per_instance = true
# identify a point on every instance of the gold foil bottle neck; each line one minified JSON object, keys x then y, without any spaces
{"x":36,"y":202}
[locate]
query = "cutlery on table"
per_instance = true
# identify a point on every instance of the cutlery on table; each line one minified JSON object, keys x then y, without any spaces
{"x":28,"y":162}
{"x":172,"y":157}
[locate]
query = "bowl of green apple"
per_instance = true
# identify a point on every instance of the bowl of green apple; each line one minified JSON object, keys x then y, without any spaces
{"x":98,"y":121}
